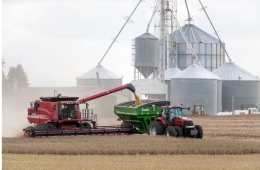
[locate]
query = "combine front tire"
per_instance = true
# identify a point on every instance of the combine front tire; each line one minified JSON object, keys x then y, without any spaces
{"x":178,"y":130}
{"x":155,"y":129}
{"x":170,"y":132}
{"x":51,"y":126}
{"x":87,"y":125}
{"x":200,"y":131}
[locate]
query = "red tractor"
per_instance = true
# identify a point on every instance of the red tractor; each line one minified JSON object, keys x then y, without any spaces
{"x":173,"y":124}
{"x":61,"y":115}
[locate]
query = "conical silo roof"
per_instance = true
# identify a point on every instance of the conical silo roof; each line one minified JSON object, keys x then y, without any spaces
{"x":170,"y":72}
{"x":231,"y":71}
{"x":146,"y":36}
{"x":196,"y":72}
{"x":103,"y":73}
{"x":194,"y":35}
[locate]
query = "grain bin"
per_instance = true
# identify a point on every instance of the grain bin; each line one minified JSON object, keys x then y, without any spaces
{"x":207,"y":48}
{"x":100,"y":76}
{"x":239,"y":83}
{"x":196,"y":84}
{"x":146,"y":54}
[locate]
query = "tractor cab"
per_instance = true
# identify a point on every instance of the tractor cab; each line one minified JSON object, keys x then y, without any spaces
{"x":173,"y":115}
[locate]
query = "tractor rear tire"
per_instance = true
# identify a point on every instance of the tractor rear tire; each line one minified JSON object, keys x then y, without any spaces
{"x":127,"y":124}
{"x":178,"y":130}
{"x":200,"y":131}
{"x":155,"y":129}
{"x":171,"y":132}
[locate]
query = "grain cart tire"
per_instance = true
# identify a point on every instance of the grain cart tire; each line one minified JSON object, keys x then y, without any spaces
{"x":127,"y":124}
{"x":155,"y":129}
{"x":178,"y":130}
{"x":87,"y":125}
{"x":200,"y":131}
{"x":171,"y":132}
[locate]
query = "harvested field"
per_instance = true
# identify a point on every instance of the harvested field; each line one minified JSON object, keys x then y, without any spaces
{"x":151,"y":162}
{"x":223,"y":135}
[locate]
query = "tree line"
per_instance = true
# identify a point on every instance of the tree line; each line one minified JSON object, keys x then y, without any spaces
{"x":15,"y":80}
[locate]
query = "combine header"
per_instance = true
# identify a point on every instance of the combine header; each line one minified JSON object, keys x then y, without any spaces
{"x":61,"y":115}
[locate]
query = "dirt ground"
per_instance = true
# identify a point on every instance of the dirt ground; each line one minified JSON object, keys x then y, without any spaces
{"x":151,"y":162}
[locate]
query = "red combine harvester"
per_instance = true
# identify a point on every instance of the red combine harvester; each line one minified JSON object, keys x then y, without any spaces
{"x":61,"y":115}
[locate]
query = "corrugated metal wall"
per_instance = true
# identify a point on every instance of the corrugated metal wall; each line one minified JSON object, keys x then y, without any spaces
{"x":244,"y":92}
{"x":200,"y":91}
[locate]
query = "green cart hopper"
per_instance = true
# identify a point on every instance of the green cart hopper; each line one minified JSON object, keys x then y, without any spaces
{"x":141,"y":115}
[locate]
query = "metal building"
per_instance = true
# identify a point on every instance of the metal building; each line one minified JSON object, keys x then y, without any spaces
{"x":146,"y":55}
{"x":168,"y":74}
{"x":151,"y":88}
{"x":207,"y":48}
{"x":99,"y":76}
{"x":196,"y":84}
{"x":239,"y":83}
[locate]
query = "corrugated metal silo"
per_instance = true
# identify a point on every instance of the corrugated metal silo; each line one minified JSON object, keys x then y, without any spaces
{"x":105,"y":78}
{"x":239,"y":83}
{"x":146,"y":54}
{"x":168,"y":74}
{"x":207,"y":48}
{"x":196,"y":84}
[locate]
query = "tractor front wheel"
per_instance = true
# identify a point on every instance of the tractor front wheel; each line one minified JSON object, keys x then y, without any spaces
{"x":200,"y":131}
{"x":178,"y":130}
{"x":171,"y":132}
{"x":155,"y":129}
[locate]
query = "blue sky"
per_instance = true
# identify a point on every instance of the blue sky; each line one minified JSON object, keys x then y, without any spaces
{"x":57,"y":40}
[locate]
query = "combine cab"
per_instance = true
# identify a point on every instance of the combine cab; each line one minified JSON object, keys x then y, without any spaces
{"x":61,"y":115}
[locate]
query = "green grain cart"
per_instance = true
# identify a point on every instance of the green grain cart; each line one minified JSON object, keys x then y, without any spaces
{"x":140,"y":115}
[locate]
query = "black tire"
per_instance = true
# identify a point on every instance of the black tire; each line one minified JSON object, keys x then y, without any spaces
{"x":42,"y":127}
{"x":200,"y":131}
{"x":87,"y":125}
{"x":171,"y":132}
{"x":163,"y":127}
{"x":127,"y":124}
{"x":155,"y":129}
{"x":29,"y":128}
{"x":178,"y":130}
{"x":51,"y":126}
{"x":80,"y":125}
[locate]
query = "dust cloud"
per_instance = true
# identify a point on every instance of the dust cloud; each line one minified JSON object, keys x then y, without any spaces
{"x":14,"y":118}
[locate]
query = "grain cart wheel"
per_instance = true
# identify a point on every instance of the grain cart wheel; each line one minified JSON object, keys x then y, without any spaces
{"x":127,"y":124}
{"x":87,"y":125}
{"x":178,"y":130}
{"x":170,"y":132}
{"x":200,"y":131}
{"x":155,"y":129}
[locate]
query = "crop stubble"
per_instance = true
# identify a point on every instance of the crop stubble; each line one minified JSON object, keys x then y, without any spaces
{"x":223,"y":135}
